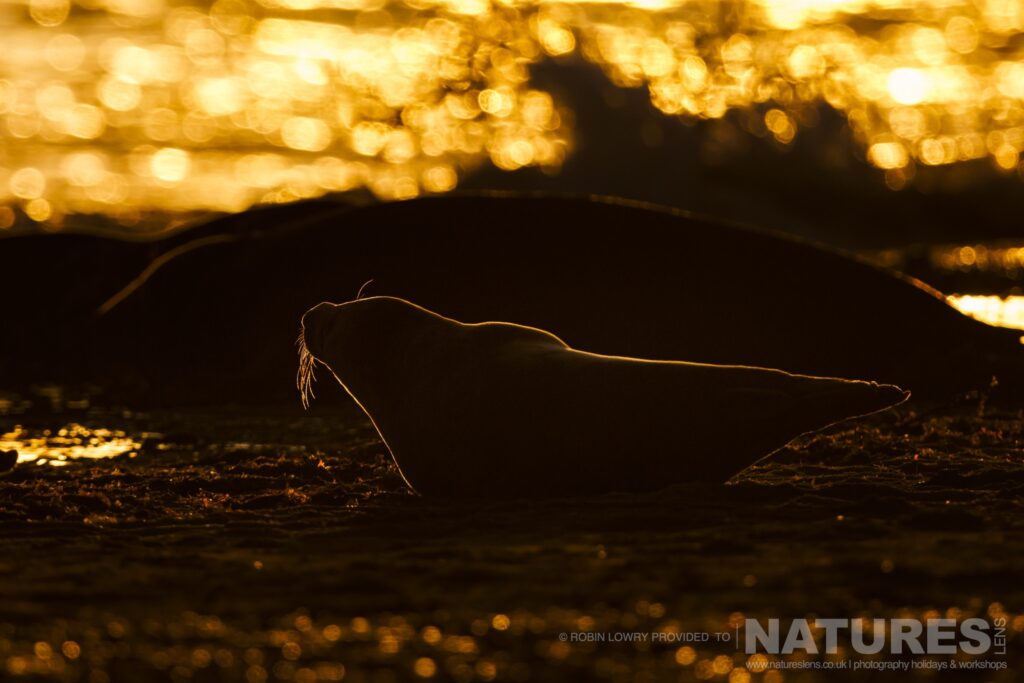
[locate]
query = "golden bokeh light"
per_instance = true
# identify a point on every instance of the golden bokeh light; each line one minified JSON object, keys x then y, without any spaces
{"x":142,"y":106}
{"x":932,"y":82}
{"x":71,"y":442}
{"x":126,"y":106}
{"x":306,"y":650}
{"x":994,"y":310}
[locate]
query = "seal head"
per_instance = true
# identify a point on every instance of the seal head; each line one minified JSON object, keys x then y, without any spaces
{"x":502,"y":410}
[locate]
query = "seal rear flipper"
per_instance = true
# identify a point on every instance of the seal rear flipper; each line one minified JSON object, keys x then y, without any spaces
{"x":762,"y":419}
{"x":829,"y":401}
{"x":821,"y":402}
{"x":805,"y":404}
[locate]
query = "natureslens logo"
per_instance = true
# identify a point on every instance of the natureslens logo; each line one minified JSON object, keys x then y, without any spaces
{"x":900,"y":644}
{"x":974,"y":636}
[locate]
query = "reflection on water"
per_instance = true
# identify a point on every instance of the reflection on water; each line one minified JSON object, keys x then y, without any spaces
{"x":71,"y":442}
{"x":480,"y":646}
{"x":1003,"y":259}
{"x":994,"y":310}
{"x":123,"y":106}
{"x":921,"y":82}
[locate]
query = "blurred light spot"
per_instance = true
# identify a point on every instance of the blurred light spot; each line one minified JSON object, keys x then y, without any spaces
{"x":119,"y":95}
{"x":7,"y":217}
{"x":170,"y":164}
{"x":65,"y":52}
{"x":38,"y":210}
{"x":27,"y":183}
{"x":219,"y":96}
{"x":908,"y":86}
{"x":439,"y":179}
{"x":49,"y":12}
{"x":425,"y":667}
{"x":307,"y":134}
{"x":888,"y":155}
{"x":962,"y":35}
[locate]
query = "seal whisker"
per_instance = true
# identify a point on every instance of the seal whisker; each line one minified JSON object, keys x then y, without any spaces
{"x":359,"y":294}
{"x":305,"y":375}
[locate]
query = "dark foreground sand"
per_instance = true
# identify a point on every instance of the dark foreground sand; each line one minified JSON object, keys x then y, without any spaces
{"x":272,"y":545}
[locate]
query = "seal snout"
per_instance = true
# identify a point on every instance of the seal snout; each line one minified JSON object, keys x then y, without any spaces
{"x":315,"y":325}
{"x":312,"y":343}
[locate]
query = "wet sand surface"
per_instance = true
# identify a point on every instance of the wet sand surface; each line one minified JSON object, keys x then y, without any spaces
{"x":273,"y":545}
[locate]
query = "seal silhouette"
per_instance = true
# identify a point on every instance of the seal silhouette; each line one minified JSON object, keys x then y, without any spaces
{"x":501,"y":410}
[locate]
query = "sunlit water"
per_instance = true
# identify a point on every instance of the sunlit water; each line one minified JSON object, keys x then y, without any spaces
{"x":71,"y":442}
{"x":126,"y":106}
{"x":491,"y":646}
{"x":1004,"y":261}
{"x":994,"y":310}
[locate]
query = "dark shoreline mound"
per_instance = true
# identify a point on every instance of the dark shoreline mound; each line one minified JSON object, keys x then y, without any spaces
{"x":218,"y":319}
